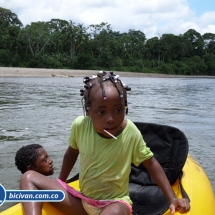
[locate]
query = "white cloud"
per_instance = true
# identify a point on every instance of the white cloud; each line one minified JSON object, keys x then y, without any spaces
{"x":152,"y":17}
{"x":207,"y":18}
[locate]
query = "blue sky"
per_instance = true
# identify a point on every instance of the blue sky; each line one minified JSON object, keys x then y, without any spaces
{"x":202,"y":6}
{"x":152,"y":17}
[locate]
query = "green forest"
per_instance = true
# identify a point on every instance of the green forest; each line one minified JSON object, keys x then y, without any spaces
{"x":65,"y":44}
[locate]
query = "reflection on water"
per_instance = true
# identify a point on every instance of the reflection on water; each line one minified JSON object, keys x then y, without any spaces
{"x":40,"y":110}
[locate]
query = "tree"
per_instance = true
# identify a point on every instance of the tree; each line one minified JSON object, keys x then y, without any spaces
{"x":75,"y":36}
{"x":195,"y":43}
{"x":7,"y":18}
{"x":58,"y":28}
{"x":169,"y":47}
{"x":152,"y":50}
{"x":101,"y":35}
{"x":10,"y":26}
{"x":136,"y":42}
{"x":209,"y":42}
{"x":36,"y":37}
{"x":209,"y":59}
{"x":82,"y":39}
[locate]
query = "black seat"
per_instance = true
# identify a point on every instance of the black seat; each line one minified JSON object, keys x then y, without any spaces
{"x":170,"y":148}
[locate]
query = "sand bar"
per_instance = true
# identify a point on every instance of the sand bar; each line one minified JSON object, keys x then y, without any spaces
{"x":65,"y":73}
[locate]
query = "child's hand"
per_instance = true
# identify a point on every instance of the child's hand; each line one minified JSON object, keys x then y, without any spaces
{"x":181,"y":205}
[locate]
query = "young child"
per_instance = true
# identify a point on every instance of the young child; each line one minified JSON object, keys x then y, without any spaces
{"x":107,"y":144}
{"x":34,"y":157}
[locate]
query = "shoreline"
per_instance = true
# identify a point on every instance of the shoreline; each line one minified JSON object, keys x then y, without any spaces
{"x":68,"y":73}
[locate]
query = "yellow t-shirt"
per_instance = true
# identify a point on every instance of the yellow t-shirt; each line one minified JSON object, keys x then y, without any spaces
{"x":105,"y":164}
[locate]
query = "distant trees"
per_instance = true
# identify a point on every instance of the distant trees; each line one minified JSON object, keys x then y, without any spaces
{"x":65,"y":44}
{"x":10,"y":27}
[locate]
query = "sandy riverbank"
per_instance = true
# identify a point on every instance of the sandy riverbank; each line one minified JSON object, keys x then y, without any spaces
{"x":35,"y":72}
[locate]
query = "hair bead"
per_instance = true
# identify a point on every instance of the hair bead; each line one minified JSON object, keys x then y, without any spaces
{"x":104,"y":95}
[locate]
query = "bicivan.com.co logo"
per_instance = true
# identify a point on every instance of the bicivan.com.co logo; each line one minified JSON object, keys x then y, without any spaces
{"x":30,"y":195}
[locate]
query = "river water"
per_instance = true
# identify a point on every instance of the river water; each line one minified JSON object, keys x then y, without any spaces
{"x":41,"y":110}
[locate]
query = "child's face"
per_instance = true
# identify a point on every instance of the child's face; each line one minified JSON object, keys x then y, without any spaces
{"x":43,"y":164}
{"x":107,"y":114}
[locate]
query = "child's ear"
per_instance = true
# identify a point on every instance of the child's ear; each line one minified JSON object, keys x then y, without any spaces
{"x":87,"y":111}
{"x":29,"y":167}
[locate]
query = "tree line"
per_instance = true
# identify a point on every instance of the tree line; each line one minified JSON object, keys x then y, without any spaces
{"x":67,"y":45}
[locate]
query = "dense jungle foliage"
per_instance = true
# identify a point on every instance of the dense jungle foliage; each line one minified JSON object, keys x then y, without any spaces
{"x":67,"y":45}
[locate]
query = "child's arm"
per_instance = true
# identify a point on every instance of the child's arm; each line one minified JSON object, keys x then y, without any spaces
{"x":159,"y":176}
{"x":69,"y":160}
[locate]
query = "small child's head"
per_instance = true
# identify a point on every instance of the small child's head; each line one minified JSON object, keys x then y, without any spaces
{"x":105,"y":101}
{"x":34,"y":157}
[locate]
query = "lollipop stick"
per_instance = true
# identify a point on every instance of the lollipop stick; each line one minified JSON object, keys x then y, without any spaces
{"x":110,"y":134}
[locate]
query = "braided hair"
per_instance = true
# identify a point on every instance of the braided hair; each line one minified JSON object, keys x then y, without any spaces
{"x":26,"y":156}
{"x":97,"y":82}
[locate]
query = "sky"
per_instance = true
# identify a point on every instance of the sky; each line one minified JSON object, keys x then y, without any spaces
{"x":152,"y":17}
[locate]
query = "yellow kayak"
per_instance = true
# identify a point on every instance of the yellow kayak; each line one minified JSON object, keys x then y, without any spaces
{"x":198,"y":187}
{"x":194,"y":181}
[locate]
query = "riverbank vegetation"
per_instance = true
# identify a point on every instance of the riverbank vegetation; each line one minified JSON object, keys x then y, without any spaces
{"x":65,"y":44}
